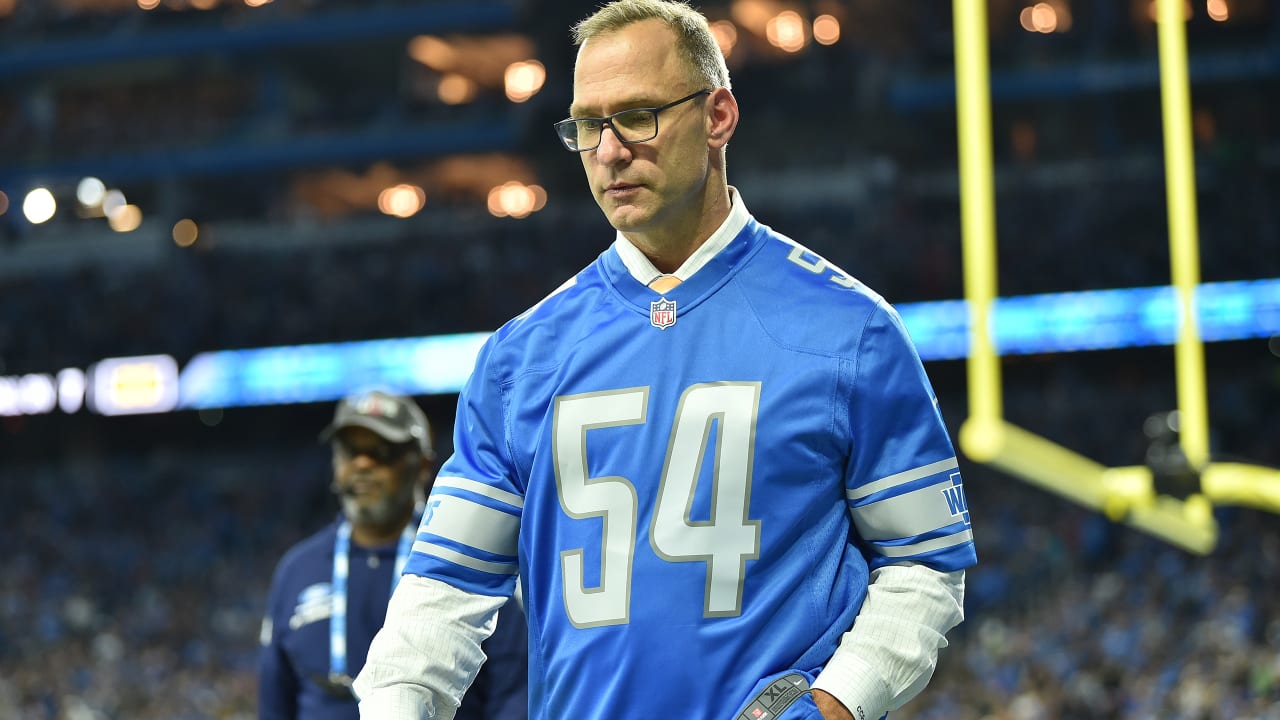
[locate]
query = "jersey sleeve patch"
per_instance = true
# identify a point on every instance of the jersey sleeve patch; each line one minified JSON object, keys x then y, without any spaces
{"x":917,"y":514}
{"x":469,"y":530}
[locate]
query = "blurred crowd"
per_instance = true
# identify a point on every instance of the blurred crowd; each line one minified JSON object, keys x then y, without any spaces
{"x":137,"y":571}
{"x":1088,"y":620}
{"x":135,"y":585}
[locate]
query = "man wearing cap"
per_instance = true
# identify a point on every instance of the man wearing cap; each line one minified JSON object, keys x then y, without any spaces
{"x":329,"y":593}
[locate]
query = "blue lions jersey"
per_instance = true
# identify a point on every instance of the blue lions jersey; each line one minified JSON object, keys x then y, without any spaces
{"x":692,"y":488}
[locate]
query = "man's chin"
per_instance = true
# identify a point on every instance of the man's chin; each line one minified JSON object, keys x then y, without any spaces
{"x":627,"y":217}
{"x":364,"y":512}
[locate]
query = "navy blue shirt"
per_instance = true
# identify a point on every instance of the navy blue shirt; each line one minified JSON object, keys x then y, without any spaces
{"x":293,"y":669}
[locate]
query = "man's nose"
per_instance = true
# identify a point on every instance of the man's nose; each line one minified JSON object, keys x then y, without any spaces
{"x":611,"y":149}
{"x":363,"y":459}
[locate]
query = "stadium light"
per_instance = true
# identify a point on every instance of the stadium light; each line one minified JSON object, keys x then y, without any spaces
{"x":90,"y":192}
{"x":826,"y":30}
{"x":185,"y":232}
{"x":785,"y":31}
{"x":39,"y":206}
{"x":455,"y":89}
{"x":524,"y":79}
{"x":726,"y":34}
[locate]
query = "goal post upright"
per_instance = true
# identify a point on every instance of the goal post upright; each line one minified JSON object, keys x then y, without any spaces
{"x":1125,"y":494}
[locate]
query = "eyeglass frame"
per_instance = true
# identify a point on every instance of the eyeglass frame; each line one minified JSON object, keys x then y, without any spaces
{"x":382,"y":452}
{"x":607,"y":121}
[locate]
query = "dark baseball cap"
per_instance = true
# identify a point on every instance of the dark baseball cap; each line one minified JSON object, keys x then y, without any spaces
{"x":395,"y":418}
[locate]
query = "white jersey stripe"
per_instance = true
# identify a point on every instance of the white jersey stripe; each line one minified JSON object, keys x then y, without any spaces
{"x":469,"y":523}
{"x":479,"y":488}
{"x":905,"y":476}
{"x":458,"y":558}
{"x":907,"y":515}
{"x":926,"y":546}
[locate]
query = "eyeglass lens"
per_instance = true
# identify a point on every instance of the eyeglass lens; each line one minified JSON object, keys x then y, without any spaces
{"x":383,"y":453}
{"x":630,"y":126}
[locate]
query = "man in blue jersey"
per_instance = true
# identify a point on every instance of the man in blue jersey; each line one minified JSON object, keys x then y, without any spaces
{"x":711,"y":461}
{"x":330,"y":591}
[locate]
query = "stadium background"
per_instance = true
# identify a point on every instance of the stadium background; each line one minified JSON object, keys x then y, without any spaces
{"x":137,"y":548}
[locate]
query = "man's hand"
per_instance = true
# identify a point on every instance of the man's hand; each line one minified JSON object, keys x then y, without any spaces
{"x":831,"y":708}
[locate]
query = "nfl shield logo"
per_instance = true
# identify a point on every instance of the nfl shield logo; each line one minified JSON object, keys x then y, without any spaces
{"x":662,"y":313}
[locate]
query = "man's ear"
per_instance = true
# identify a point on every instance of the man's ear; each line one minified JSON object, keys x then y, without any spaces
{"x":722,"y":120}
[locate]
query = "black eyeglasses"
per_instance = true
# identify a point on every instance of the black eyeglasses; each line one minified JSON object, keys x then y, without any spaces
{"x":629,"y":126}
{"x":382,"y":453}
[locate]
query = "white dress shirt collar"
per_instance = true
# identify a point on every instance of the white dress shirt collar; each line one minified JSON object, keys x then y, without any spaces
{"x":643,"y":270}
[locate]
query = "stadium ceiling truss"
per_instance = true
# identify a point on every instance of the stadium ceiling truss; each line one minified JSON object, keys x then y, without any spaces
{"x":1138,"y":496}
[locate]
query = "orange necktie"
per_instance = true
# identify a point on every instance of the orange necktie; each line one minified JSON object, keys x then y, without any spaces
{"x":664,"y":283}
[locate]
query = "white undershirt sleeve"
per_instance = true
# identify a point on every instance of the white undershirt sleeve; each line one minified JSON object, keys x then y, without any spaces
{"x":427,"y":653}
{"x":890,"y":653}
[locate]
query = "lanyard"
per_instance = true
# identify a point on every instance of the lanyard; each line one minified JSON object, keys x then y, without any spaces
{"x":338,"y":596}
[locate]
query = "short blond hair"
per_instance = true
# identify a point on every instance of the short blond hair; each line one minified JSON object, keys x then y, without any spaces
{"x":694,"y":41}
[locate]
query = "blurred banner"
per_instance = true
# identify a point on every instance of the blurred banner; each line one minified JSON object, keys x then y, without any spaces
{"x":1050,"y":323}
